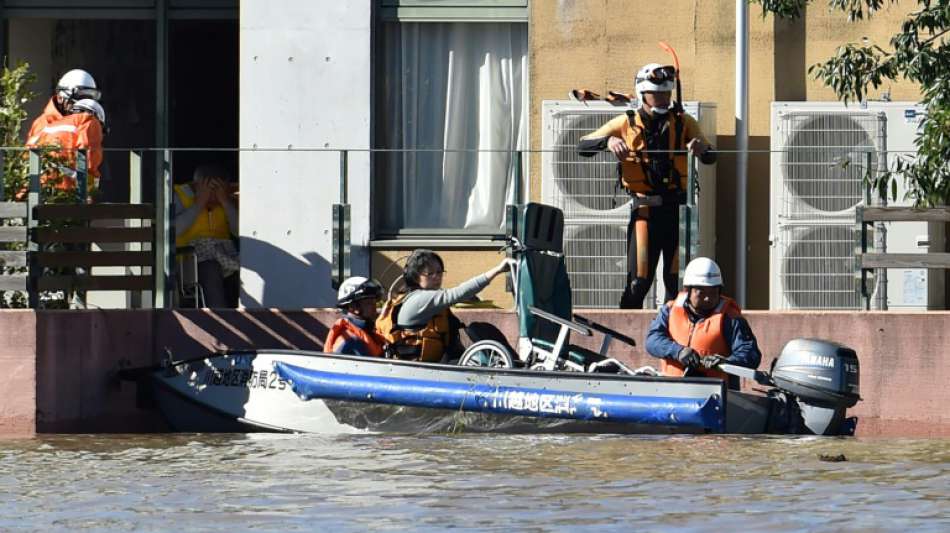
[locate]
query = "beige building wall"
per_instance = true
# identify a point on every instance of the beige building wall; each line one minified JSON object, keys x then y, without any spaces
{"x":460,"y":265}
{"x":599,"y":45}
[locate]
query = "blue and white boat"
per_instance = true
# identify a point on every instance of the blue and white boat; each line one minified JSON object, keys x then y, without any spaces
{"x":547,"y":385}
{"x":297,"y":391}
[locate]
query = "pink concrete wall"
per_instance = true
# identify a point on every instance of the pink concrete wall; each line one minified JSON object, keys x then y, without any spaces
{"x":18,"y":378}
{"x":191,"y":332}
{"x":76,"y":354}
{"x":905,"y":378}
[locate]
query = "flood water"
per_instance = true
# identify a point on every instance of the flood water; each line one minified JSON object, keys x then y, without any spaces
{"x":472,"y":482}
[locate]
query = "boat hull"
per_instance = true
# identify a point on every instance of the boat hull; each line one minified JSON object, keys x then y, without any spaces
{"x":312,"y":392}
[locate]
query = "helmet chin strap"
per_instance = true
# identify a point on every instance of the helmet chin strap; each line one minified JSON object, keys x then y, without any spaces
{"x":656,"y":110}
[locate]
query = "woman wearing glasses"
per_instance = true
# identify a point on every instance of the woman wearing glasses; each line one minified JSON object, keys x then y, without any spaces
{"x":650,"y":145}
{"x":418,"y":323}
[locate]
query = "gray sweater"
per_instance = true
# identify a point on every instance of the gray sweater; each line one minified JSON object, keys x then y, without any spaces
{"x":423,"y":304}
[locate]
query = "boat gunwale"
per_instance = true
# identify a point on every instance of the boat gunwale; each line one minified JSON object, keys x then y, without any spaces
{"x":462,"y":369}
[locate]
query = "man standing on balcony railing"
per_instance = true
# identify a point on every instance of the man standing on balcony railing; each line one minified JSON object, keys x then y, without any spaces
{"x":649,"y":144}
{"x":73,"y":120}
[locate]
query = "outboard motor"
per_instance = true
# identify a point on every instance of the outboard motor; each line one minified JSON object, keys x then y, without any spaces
{"x":822,"y":378}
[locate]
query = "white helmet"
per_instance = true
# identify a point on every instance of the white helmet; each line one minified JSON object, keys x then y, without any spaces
{"x":357,"y":288}
{"x":655,"y":77}
{"x":76,"y":85}
{"x":89,"y":105}
{"x":702,"y":272}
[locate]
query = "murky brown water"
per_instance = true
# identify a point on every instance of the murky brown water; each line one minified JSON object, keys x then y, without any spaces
{"x":472,"y":482}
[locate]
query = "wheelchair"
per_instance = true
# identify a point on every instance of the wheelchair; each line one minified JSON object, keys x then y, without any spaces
{"x":534,"y":243}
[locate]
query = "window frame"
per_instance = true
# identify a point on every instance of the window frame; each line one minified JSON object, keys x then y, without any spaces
{"x":454,"y":10}
{"x":469,"y":11}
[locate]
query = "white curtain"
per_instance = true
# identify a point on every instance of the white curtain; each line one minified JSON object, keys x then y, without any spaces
{"x":460,"y":87}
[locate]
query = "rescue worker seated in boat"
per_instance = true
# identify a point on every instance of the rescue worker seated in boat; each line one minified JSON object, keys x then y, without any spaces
{"x":418,"y":323}
{"x":355,"y":333}
{"x":701,"y":328}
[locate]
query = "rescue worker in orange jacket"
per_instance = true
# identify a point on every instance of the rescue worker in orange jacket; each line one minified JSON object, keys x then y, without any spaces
{"x":72,"y":120}
{"x":418,"y":324}
{"x":355,"y":332}
{"x":650,"y":144}
{"x":701,"y":328}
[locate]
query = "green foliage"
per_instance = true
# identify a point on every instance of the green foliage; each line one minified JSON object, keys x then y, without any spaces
{"x":918,"y":52}
{"x":855,"y":9}
{"x":854,"y":68}
{"x":792,"y":9}
{"x":858,"y":9}
{"x":14,"y":92}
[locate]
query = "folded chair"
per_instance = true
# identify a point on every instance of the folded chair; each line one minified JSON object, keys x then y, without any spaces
{"x":542,"y":295}
{"x":189,"y":292}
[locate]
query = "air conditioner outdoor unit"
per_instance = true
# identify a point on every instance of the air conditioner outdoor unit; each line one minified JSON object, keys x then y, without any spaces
{"x":821,"y":153}
{"x":596,"y":211}
{"x":596,"y":258}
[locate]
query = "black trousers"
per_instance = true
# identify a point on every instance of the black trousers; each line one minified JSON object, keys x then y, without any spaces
{"x":219,"y":291}
{"x":652,"y":231}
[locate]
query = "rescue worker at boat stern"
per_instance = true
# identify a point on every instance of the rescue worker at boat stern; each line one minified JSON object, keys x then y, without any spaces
{"x":355,"y":333}
{"x":418,"y":323}
{"x":701,"y":328}
{"x":72,"y":120}
{"x":649,"y":143}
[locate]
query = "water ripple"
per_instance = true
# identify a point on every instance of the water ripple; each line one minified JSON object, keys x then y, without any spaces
{"x":472,"y":482}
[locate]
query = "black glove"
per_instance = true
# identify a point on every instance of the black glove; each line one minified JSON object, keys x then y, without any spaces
{"x":712,"y":361}
{"x":688,"y":358}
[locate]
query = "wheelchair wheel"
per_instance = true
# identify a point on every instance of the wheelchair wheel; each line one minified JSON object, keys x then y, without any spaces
{"x":492,"y":354}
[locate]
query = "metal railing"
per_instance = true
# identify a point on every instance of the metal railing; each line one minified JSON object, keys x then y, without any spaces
{"x":869,"y":261}
{"x":57,"y":240}
{"x":806,"y":186}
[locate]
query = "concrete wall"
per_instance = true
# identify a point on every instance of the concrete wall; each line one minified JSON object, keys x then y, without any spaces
{"x":599,"y":45}
{"x":305,"y":83}
{"x":31,"y":41}
{"x":78,"y":354}
{"x":18,"y":407}
{"x":61,"y":366}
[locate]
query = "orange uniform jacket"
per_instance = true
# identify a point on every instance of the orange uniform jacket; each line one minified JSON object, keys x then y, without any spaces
{"x":705,"y":337}
{"x":345,"y":335}
{"x":71,"y":132}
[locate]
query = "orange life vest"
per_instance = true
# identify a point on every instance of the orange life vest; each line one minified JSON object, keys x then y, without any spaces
{"x":427,"y":343}
{"x":630,"y":127}
{"x":705,"y":336}
{"x":344,"y":330}
{"x":633,"y":170}
{"x":70,"y":133}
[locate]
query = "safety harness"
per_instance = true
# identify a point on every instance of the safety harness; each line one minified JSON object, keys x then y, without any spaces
{"x":658,"y":168}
